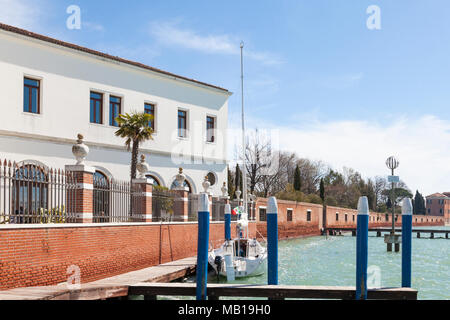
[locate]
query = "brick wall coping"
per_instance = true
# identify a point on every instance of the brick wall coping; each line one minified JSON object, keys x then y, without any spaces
{"x":292,"y":202}
{"x":96,"y":225}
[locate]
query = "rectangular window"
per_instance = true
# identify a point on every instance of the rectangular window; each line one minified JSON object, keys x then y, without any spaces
{"x":337,"y":216}
{"x":96,"y":107}
{"x":31,"y":95}
{"x":115,"y":108}
{"x":308,"y":215}
{"x":387,"y":217}
{"x":150,"y":109}
{"x":289,"y":215}
{"x":346,"y":218}
{"x":182,"y":124}
{"x":210,"y":129}
{"x":262,"y":214}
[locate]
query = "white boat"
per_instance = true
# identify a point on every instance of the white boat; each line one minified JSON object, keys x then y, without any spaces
{"x":240,"y":257}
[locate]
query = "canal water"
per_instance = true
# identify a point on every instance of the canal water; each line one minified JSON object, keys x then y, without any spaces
{"x":331,"y":261}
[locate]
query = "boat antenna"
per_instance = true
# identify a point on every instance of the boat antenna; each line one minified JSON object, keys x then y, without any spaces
{"x":244,"y":168}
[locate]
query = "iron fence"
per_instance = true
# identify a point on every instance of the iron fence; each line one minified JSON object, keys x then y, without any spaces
{"x":163,"y":205}
{"x":115,"y":200}
{"x":33,"y":194}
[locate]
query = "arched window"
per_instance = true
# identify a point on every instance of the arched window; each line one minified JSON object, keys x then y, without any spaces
{"x":30,"y":195}
{"x":185,"y":184}
{"x":101,"y":197}
{"x":156,"y":182}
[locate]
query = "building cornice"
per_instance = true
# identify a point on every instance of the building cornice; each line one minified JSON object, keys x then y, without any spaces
{"x":90,"y":144}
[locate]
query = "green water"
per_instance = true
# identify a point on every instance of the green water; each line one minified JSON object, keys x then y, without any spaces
{"x":331,"y":261}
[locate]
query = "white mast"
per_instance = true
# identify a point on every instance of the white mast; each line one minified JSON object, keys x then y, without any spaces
{"x":244,"y":169}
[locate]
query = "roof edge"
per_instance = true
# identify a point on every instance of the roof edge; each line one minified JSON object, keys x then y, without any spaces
{"x":75,"y":47}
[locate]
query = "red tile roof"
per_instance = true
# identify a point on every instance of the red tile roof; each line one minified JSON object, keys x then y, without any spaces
{"x":437,"y":195}
{"x":98,"y":53}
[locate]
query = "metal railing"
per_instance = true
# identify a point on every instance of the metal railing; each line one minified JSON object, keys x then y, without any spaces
{"x":163,"y":205}
{"x":115,"y":200}
{"x":33,"y":194}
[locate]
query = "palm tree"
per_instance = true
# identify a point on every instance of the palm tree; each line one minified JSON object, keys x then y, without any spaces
{"x":135,"y":127}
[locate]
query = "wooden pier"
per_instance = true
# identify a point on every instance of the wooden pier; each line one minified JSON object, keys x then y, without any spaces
{"x":113,"y":287}
{"x":151,"y":291}
{"x":379,"y":231}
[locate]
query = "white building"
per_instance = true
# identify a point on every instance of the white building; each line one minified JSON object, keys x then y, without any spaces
{"x":51,"y":91}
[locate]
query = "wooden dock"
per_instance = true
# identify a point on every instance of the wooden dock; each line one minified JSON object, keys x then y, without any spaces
{"x":112,"y":287}
{"x":418,"y":232}
{"x":151,"y":290}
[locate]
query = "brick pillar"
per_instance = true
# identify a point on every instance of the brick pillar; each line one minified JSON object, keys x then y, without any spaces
{"x":142,"y":207}
{"x":181,"y":205}
{"x":81,"y":203}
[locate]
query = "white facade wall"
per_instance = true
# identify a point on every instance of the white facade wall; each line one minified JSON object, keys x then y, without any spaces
{"x":67,"y":78}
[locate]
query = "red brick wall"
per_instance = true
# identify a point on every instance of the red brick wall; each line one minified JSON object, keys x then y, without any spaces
{"x":40,"y":256}
{"x":299,"y":226}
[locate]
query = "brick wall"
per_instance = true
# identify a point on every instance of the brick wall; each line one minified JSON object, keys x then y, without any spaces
{"x":346,"y":218}
{"x":300,"y":226}
{"x":40,"y":256}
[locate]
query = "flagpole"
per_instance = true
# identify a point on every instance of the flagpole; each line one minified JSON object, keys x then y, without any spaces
{"x":244,"y":169}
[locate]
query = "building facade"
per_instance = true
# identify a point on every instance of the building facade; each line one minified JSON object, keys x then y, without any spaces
{"x":438,"y":204}
{"x":52,"y":90}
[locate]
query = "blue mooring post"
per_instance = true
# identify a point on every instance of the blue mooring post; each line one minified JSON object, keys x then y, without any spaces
{"x":272,"y":241}
{"x":202,"y":246}
{"x":227,"y":222}
{"x":406,"y":242}
{"x":362,"y":248}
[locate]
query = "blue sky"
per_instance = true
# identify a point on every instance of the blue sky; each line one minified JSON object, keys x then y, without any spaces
{"x":335,"y":90}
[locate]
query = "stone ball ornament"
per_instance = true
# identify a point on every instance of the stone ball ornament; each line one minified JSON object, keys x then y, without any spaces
{"x":142,"y":167}
{"x":206,"y":184}
{"x":80,"y":150}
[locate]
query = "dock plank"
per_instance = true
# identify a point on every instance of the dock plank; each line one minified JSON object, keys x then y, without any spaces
{"x":111,"y":287}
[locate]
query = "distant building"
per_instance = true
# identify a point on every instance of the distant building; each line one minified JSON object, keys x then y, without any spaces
{"x":438,"y":204}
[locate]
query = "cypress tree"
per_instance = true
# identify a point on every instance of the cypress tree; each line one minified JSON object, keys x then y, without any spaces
{"x":297,"y":179}
{"x":231,"y":187}
{"x":322,"y":190}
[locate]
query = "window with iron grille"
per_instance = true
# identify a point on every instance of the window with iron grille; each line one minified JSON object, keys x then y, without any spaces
{"x":289,"y":215}
{"x":308,"y":215}
{"x":31,"y":95}
{"x":262,"y":214}
{"x":115,"y":109}
{"x":96,"y":106}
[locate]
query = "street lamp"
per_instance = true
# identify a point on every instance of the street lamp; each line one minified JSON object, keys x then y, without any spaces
{"x":392,"y":164}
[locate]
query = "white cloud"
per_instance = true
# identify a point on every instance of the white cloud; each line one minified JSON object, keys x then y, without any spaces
{"x":172,"y":35}
{"x":421,"y":145}
{"x":19,"y":13}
